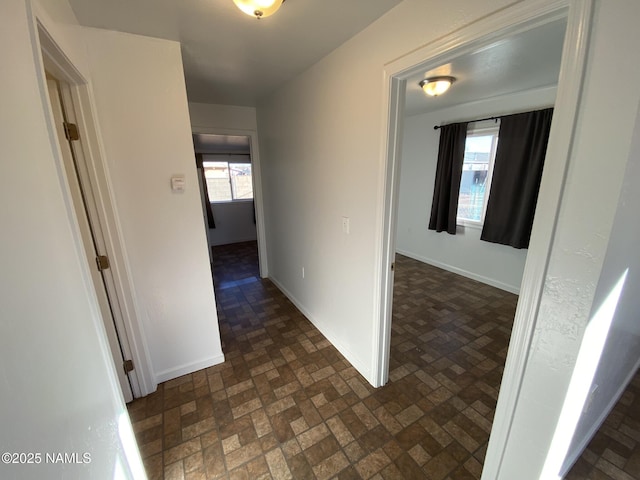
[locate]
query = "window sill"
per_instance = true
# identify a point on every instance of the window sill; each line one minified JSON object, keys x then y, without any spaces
{"x":468,"y":224}
{"x":226,"y":202}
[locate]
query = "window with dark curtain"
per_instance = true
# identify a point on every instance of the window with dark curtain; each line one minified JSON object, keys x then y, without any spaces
{"x":205,"y":191}
{"x":517,"y":173}
{"x":448,"y":173}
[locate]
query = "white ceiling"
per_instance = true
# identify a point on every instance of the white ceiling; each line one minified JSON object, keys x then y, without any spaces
{"x":524,"y":61}
{"x":230,"y":58}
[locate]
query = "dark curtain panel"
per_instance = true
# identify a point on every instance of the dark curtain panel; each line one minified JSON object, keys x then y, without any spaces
{"x":210,"y":221}
{"x":448,"y":173}
{"x":517,"y":172}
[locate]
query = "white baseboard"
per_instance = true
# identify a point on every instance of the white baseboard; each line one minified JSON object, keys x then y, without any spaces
{"x":356,"y":362}
{"x":188,"y":368}
{"x":465,"y":273}
{"x":228,"y":241}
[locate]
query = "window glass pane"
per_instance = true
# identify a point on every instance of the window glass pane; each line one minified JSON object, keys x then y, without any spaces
{"x":241,"y":180}
{"x":475,"y":172}
{"x":218,"y":186}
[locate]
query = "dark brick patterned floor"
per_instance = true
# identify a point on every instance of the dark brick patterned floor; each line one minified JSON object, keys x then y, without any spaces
{"x":614,"y":451}
{"x":286,"y":404}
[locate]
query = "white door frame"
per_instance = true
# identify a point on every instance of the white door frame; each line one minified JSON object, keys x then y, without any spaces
{"x":82,"y":105}
{"x":256,"y":172}
{"x":520,"y":17}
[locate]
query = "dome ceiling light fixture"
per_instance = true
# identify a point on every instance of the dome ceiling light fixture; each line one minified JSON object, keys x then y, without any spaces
{"x":259,"y":8}
{"x":435,"y":86}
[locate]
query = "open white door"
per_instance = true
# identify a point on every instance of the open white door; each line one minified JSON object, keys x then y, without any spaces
{"x":91,"y":232}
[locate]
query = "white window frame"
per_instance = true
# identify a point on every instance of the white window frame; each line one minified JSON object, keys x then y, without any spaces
{"x":480,"y":132}
{"x":230,"y":161}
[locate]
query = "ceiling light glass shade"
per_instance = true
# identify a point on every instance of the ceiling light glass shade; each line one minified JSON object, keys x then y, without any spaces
{"x":437,"y":85}
{"x":258,"y":8}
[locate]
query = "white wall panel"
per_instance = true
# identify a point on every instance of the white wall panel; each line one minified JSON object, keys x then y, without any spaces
{"x":142,"y":111}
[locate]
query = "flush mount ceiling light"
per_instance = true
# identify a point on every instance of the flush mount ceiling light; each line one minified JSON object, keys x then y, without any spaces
{"x":259,"y":8}
{"x":435,"y":86}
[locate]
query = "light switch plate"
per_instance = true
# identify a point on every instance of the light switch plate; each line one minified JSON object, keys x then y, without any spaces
{"x":346,"y":227}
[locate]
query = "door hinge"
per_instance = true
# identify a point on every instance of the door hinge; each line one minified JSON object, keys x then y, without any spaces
{"x":393,"y":266}
{"x":128,"y":366}
{"x":103,"y":262}
{"x":71,"y":131}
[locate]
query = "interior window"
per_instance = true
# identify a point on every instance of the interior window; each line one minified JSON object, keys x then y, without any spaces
{"x":475,"y":183}
{"x":228,"y":182}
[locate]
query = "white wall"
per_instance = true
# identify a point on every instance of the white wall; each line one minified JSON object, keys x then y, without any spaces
{"x":574,"y":287}
{"x":222,"y":116}
{"x":463,"y":253}
{"x":142,"y":112}
{"x":234,"y":223}
{"x":58,"y":387}
{"x":621,"y":346}
{"x":320,"y":145}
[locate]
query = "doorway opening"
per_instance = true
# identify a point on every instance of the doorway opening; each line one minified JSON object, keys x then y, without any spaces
{"x":437,"y":58}
{"x":231,"y":190}
{"x":455,"y":295}
{"x":227,"y":188}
